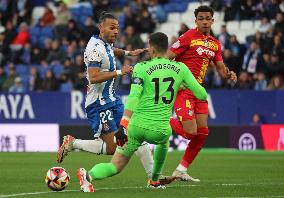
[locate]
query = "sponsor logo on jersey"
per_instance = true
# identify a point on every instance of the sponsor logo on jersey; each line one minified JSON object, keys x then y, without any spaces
{"x":176,"y":44}
{"x":208,"y":52}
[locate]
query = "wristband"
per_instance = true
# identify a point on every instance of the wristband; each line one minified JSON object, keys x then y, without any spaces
{"x":126,"y":53}
{"x":118,"y":72}
{"x":124,"y":121}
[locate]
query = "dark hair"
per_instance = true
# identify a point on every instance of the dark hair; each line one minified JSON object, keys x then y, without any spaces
{"x":203,"y":8}
{"x":160,"y":41}
{"x":105,"y":15}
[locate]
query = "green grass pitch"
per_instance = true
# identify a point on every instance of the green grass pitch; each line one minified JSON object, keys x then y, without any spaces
{"x":223,"y":173}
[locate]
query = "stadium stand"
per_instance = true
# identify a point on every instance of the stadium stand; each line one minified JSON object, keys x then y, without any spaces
{"x":241,"y":32}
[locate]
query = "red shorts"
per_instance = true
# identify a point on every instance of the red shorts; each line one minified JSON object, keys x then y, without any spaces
{"x":187,"y":106}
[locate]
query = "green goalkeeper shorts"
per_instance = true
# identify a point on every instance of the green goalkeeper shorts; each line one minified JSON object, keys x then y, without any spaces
{"x":137,"y":135}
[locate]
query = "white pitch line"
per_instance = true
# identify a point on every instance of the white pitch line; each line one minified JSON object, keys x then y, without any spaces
{"x":35,"y":193}
{"x":97,"y":189}
{"x":141,"y":187}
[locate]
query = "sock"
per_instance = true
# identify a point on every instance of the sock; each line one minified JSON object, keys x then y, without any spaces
{"x":97,"y":146}
{"x":102,"y":170}
{"x":194,"y":146}
{"x":145,"y":155}
{"x":160,"y":155}
{"x":181,"y":168}
{"x":178,"y":129}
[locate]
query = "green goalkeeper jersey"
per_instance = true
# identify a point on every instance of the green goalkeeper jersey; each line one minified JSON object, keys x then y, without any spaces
{"x":154,"y":87}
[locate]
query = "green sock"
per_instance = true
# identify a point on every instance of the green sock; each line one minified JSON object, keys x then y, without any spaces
{"x":160,"y":155}
{"x":103,"y":170}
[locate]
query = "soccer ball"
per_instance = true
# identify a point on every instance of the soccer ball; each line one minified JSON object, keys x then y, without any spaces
{"x":57,"y":178}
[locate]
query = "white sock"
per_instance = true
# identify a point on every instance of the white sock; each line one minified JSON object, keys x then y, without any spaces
{"x":97,"y":146}
{"x":181,"y":168}
{"x":145,"y":155}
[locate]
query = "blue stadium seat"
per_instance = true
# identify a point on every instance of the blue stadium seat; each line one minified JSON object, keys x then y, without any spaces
{"x":42,"y":71}
{"x":57,"y":69}
{"x":123,"y":2}
{"x":22,"y":69}
{"x":86,"y":11}
{"x":25,"y":81}
{"x":82,"y":19}
{"x":121,"y":21}
{"x":66,"y":87}
{"x":75,"y":11}
{"x":175,"y":7}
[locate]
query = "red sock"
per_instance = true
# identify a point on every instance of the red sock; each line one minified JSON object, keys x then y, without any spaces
{"x":194,"y":146}
{"x":178,"y":129}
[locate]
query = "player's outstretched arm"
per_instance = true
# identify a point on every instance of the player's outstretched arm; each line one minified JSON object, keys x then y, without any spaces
{"x":193,"y":85}
{"x":97,"y":76}
{"x":121,"y":52}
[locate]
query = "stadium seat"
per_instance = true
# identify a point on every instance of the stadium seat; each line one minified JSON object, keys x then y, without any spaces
{"x":123,"y":2}
{"x":188,"y":18}
{"x":42,"y":70}
{"x":233,"y":26}
{"x":22,"y":69}
{"x":192,"y":6}
{"x":174,"y":17}
{"x":256,"y":24}
{"x":75,"y":11}
{"x":246,"y":25}
{"x":57,"y":69}
{"x":217,"y":26}
{"x":121,"y":21}
{"x":25,"y":80}
{"x":37,"y":14}
{"x":82,"y":19}
{"x":86,"y":11}
{"x":66,"y":87}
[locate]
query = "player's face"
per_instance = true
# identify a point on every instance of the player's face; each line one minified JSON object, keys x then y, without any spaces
{"x":109,"y":30}
{"x":203,"y":21}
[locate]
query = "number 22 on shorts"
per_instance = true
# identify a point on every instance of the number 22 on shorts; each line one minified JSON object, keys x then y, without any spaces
{"x":105,"y":116}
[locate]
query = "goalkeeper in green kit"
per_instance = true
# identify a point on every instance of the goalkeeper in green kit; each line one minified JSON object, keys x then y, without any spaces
{"x":155,"y":84}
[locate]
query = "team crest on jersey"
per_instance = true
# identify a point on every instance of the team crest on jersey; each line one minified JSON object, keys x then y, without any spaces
{"x":106,"y":127}
{"x":176,"y":44}
{"x":137,"y":80}
{"x":190,"y":112}
{"x":206,"y":44}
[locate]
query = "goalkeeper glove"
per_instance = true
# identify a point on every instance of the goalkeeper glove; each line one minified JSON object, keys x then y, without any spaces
{"x":121,"y":135}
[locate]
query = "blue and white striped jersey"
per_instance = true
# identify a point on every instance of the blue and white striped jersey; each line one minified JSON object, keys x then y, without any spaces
{"x":100,"y":54}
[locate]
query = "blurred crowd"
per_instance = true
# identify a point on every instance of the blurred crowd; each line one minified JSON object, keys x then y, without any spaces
{"x":45,"y":53}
